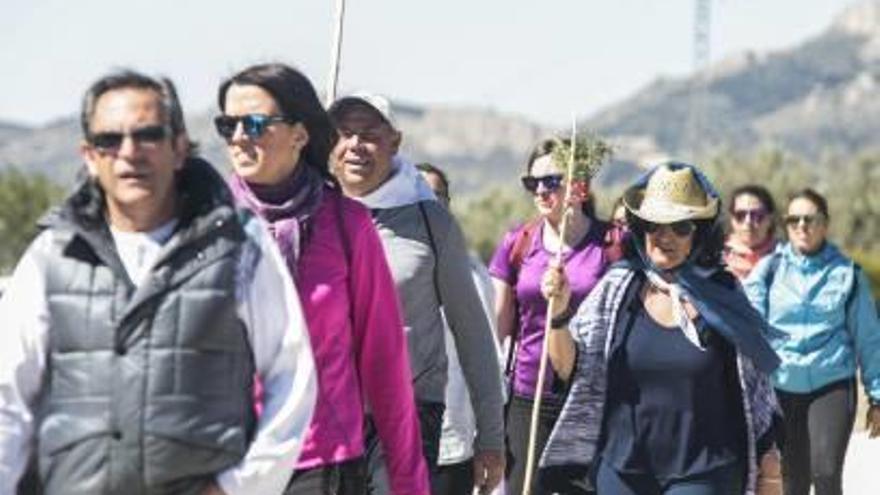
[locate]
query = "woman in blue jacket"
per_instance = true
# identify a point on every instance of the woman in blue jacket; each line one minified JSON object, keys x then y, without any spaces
{"x":823,"y":324}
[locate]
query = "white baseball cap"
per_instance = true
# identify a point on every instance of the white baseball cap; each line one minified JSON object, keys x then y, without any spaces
{"x":377,"y":102}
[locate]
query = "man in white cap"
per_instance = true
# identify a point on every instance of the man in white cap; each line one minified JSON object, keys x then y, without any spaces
{"x":428,"y":258}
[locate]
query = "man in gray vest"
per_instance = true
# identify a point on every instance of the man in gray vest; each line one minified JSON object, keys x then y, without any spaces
{"x":136,"y":322}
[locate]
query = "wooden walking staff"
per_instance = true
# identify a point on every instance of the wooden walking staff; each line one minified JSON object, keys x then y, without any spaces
{"x":539,"y":389}
{"x":336,"y":54}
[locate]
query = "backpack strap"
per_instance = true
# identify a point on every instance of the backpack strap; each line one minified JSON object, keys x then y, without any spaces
{"x":771,"y":270}
{"x":517,"y":254}
{"x":854,"y":289}
{"x":521,"y":245}
{"x":433,"y":244}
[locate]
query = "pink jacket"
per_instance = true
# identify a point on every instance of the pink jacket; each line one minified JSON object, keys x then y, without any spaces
{"x":358,"y":356}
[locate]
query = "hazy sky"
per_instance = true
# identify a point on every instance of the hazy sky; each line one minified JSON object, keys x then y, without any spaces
{"x":542,"y":59}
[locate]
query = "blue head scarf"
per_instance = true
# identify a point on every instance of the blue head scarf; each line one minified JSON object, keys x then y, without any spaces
{"x":725,"y":308}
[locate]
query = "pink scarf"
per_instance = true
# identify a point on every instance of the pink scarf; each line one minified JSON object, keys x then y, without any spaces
{"x":741,"y":258}
{"x":286,"y":206}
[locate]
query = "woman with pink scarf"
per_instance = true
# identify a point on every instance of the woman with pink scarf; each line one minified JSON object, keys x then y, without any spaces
{"x":279,"y":139}
{"x":752,"y":229}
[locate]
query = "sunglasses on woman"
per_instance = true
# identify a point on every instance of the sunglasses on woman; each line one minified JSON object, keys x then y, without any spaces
{"x":683,"y":228}
{"x":808,"y":220}
{"x":550,"y":182}
{"x":756,"y":215}
{"x":145,"y":136}
{"x":253,"y":124}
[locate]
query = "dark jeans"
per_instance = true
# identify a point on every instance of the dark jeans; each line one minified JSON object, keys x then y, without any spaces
{"x":519,"y":421}
{"x":817,"y":427}
{"x":727,"y":480}
{"x":344,"y":478}
{"x":454,"y":479}
{"x":430,"y":424}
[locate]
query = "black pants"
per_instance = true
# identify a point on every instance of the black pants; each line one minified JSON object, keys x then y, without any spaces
{"x":344,"y":478}
{"x":817,"y":430}
{"x":454,"y":479}
{"x":518,"y":425}
{"x":430,"y":423}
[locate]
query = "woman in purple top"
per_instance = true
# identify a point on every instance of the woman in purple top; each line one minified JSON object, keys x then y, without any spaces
{"x":517,"y":268}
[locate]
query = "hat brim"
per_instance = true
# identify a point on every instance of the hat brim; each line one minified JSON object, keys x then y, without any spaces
{"x":664,"y":213}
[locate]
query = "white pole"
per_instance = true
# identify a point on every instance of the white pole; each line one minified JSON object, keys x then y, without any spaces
{"x":335,"y":55}
{"x":539,"y":389}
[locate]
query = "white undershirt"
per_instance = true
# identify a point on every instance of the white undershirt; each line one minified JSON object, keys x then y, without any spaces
{"x":138,"y":250}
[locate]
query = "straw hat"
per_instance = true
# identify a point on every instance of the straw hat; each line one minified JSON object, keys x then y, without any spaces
{"x":673,"y":193}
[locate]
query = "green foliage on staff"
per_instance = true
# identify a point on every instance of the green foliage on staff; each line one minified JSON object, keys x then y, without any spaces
{"x":24,"y":197}
{"x":590,"y":153}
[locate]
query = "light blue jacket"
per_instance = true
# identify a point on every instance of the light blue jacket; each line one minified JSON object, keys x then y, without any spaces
{"x":823,"y":322}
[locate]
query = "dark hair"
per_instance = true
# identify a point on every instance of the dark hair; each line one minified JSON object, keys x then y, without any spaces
{"x":297,"y":99}
{"x":169,"y":103}
{"x":814,"y":197}
{"x":546,"y":147}
{"x":432,"y":169}
{"x":757,"y":191}
{"x":706,"y":249}
{"x":763,"y":196}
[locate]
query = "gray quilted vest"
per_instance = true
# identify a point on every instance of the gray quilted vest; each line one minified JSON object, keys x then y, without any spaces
{"x":149,"y":388}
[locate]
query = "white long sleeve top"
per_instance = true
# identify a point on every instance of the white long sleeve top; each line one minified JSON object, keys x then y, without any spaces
{"x":267,"y":304}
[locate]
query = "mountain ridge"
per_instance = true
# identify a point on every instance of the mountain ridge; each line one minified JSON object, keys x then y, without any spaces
{"x":816,"y":97}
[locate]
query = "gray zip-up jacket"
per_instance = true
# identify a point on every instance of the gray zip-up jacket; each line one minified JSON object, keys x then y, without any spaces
{"x":430,"y":276}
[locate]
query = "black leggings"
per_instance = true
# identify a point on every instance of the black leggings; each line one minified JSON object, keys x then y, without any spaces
{"x":817,"y":430}
{"x":519,"y":420}
{"x":430,"y":425}
{"x":454,"y":479}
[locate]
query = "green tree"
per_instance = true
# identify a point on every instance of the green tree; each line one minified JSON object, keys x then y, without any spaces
{"x":486,"y":217}
{"x":23,"y":198}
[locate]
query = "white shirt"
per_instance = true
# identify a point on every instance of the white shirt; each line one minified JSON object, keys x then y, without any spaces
{"x":267,"y":304}
{"x":459,"y":423}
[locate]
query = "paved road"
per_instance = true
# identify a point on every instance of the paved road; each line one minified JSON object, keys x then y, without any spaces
{"x":861,"y":473}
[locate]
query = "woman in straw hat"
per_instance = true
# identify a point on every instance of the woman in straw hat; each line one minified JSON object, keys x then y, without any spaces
{"x":665,"y":358}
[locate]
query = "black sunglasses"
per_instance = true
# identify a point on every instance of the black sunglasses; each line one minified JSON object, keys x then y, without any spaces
{"x":551,"y":182}
{"x":809,"y":220}
{"x":254,"y":124}
{"x":757,"y":215}
{"x":111,"y":140}
{"x":683,"y":228}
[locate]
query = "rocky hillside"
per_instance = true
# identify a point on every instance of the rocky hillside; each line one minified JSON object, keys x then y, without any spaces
{"x":477,"y":145}
{"x":822,"y":95}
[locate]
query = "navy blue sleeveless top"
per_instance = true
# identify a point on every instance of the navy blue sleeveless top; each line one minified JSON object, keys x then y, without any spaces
{"x":673,"y":411}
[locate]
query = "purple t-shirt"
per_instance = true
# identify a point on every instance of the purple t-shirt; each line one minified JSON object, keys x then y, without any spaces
{"x":584,"y":266}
